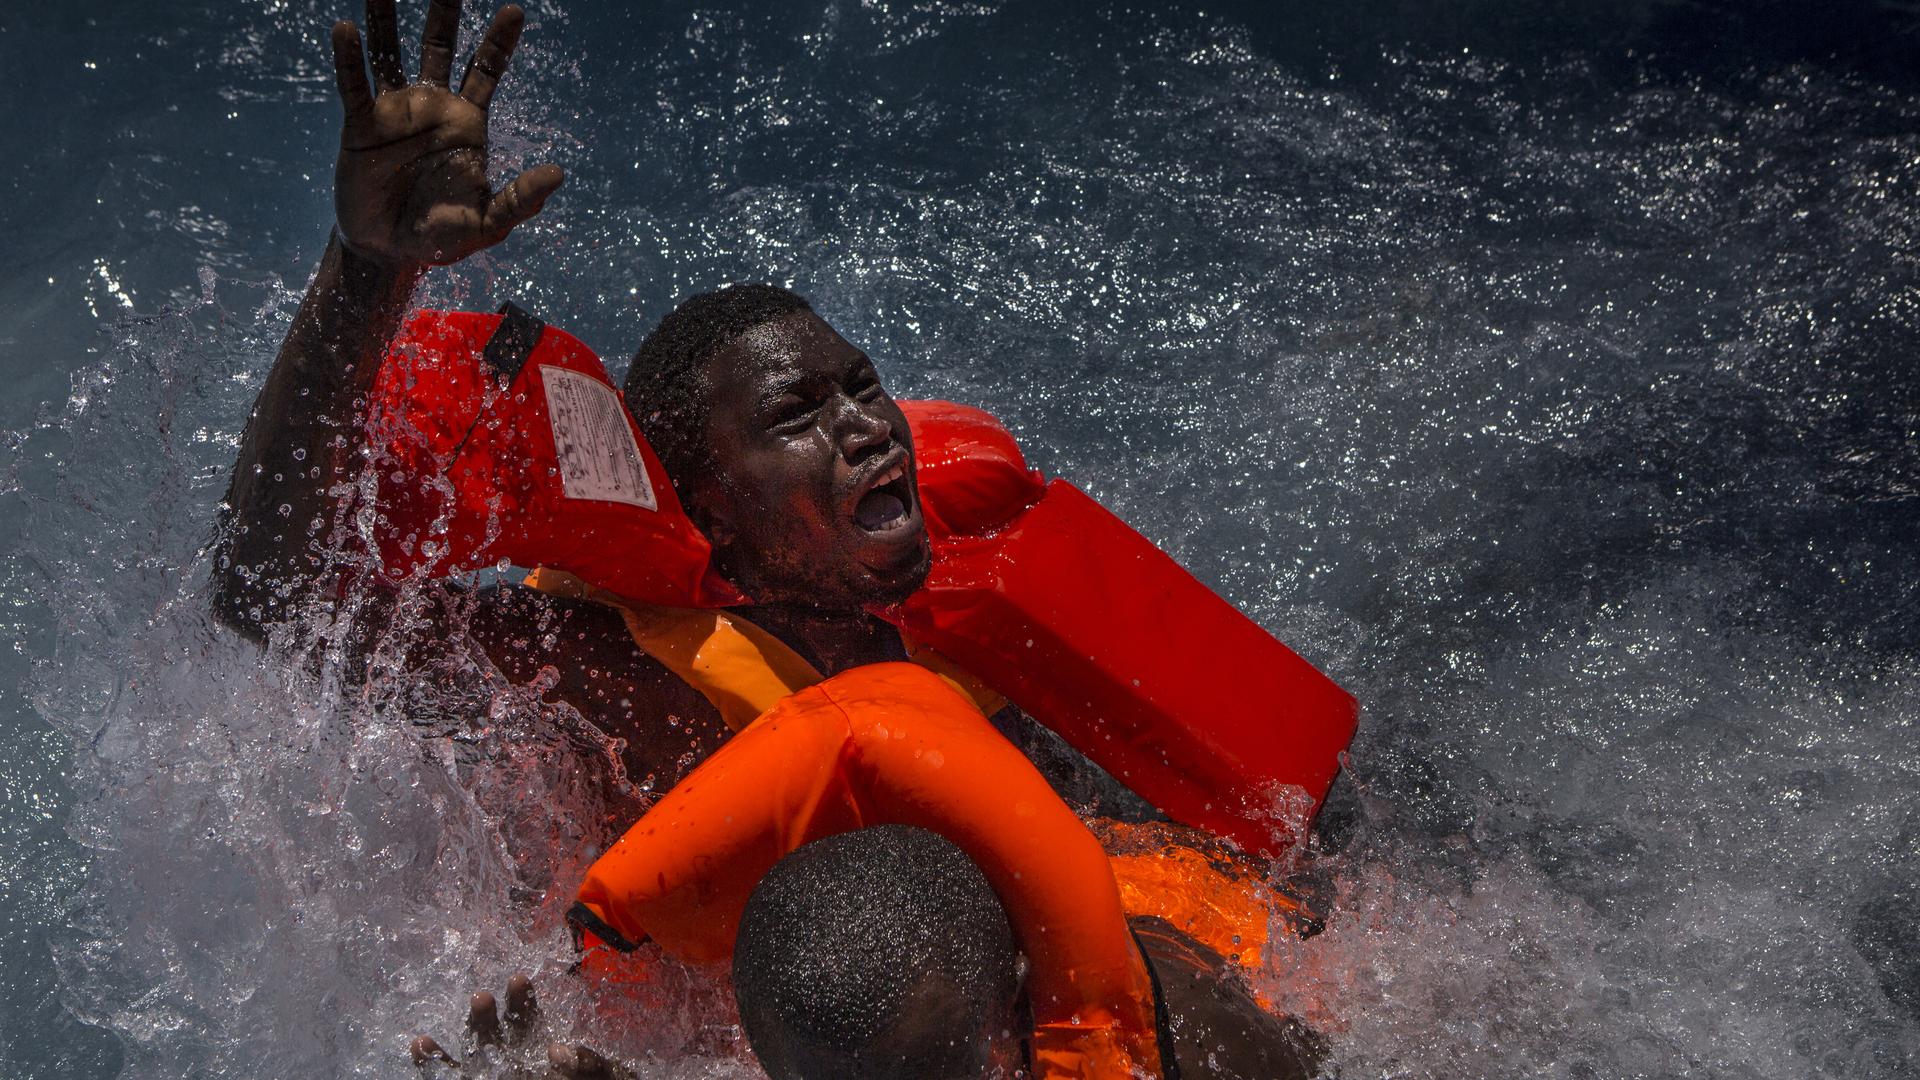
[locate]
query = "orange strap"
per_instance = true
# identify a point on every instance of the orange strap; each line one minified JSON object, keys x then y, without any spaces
{"x":736,"y":665}
{"x":740,"y":668}
{"x":894,"y":744}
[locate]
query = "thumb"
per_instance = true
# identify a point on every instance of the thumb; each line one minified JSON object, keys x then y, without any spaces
{"x":522,"y":198}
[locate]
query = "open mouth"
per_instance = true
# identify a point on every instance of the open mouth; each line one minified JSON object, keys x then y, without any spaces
{"x":887,"y":507}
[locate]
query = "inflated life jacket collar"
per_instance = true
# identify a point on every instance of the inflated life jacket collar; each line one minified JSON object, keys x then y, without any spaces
{"x":1036,"y":590}
{"x":543,"y":464}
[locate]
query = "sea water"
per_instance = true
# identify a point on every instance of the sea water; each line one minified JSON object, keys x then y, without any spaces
{"x":1545,"y":373}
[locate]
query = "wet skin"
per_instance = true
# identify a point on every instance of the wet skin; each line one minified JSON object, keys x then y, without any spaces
{"x":813,"y":508}
{"x":811,"y":500}
{"x":800,"y":432}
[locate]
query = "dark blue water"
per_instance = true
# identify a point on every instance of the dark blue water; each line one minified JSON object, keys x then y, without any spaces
{"x":1543,"y":371}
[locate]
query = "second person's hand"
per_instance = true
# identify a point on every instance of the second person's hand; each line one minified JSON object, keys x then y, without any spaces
{"x":564,"y":1061}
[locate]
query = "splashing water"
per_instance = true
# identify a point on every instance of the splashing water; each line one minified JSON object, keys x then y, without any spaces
{"x":1557,"y":400}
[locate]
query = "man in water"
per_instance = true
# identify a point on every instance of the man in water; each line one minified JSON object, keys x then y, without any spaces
{"x":787,"y":452}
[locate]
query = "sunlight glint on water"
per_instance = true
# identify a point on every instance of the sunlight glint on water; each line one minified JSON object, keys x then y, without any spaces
{"x":1568,"y":417}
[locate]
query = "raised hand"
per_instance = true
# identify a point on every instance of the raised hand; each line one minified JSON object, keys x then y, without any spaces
{"x":410,"y":185}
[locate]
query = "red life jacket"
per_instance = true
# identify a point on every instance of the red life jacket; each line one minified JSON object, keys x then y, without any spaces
{"x":499,"y":439}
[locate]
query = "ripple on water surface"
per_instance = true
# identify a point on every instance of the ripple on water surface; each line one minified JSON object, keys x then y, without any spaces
{"x":1562,"y":408}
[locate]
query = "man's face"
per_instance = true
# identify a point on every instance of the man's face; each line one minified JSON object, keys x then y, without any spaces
{"x":811,"y":496}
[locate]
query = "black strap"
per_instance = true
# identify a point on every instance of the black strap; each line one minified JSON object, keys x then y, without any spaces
{"x":512,"y":341}
{"x":582,"y":917}
{"x":1162,"y":1018}
{"x":506,"y":353}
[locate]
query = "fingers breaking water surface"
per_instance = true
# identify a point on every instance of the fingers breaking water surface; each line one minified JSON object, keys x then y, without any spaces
{"x":1559,"y":405}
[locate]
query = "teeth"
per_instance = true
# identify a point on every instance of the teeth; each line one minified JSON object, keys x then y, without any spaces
{"x":905,"y":519}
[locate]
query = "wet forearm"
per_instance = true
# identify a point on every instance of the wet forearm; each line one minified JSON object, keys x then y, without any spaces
{"x":410,"y":188}
{"x":300,"y":450}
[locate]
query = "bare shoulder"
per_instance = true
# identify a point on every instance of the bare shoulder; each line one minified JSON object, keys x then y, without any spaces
{"x":667,"y":725}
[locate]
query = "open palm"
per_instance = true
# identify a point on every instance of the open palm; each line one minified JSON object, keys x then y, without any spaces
{"x":410,"y":185}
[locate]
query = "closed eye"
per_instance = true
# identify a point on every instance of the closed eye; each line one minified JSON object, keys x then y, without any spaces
{"x":791,"y":415}
{"x":865,"y":383}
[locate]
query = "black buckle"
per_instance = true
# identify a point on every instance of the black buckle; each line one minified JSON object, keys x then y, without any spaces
{"x":513,"y":341}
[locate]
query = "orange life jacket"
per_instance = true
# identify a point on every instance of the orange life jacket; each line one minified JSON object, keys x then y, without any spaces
{"x":1178,"y":874}
{"x":891,"y":744}
{"x":481,"y":461}
{"x":499,"y":440}
{"x":903,"y":744}
{"x":698,"y":877}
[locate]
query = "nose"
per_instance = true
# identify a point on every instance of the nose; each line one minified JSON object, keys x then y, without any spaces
{"x":860,"y":429}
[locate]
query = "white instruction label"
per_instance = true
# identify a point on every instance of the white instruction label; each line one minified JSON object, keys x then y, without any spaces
{"x":598,"y":456}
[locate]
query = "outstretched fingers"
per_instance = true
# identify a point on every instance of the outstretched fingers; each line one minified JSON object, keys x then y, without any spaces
{"x":483,"y":1014}
{"x":437,"y":40}
{"x":490,"y":59}
{"x":350,"y":70}
{"x":483,"y":1019}
{"x":522,"y":1011}
{"x":425,"y":1052}
{"x":484,"y":1028}
{"x":517,"y":202}
{"x":383,"y":45}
